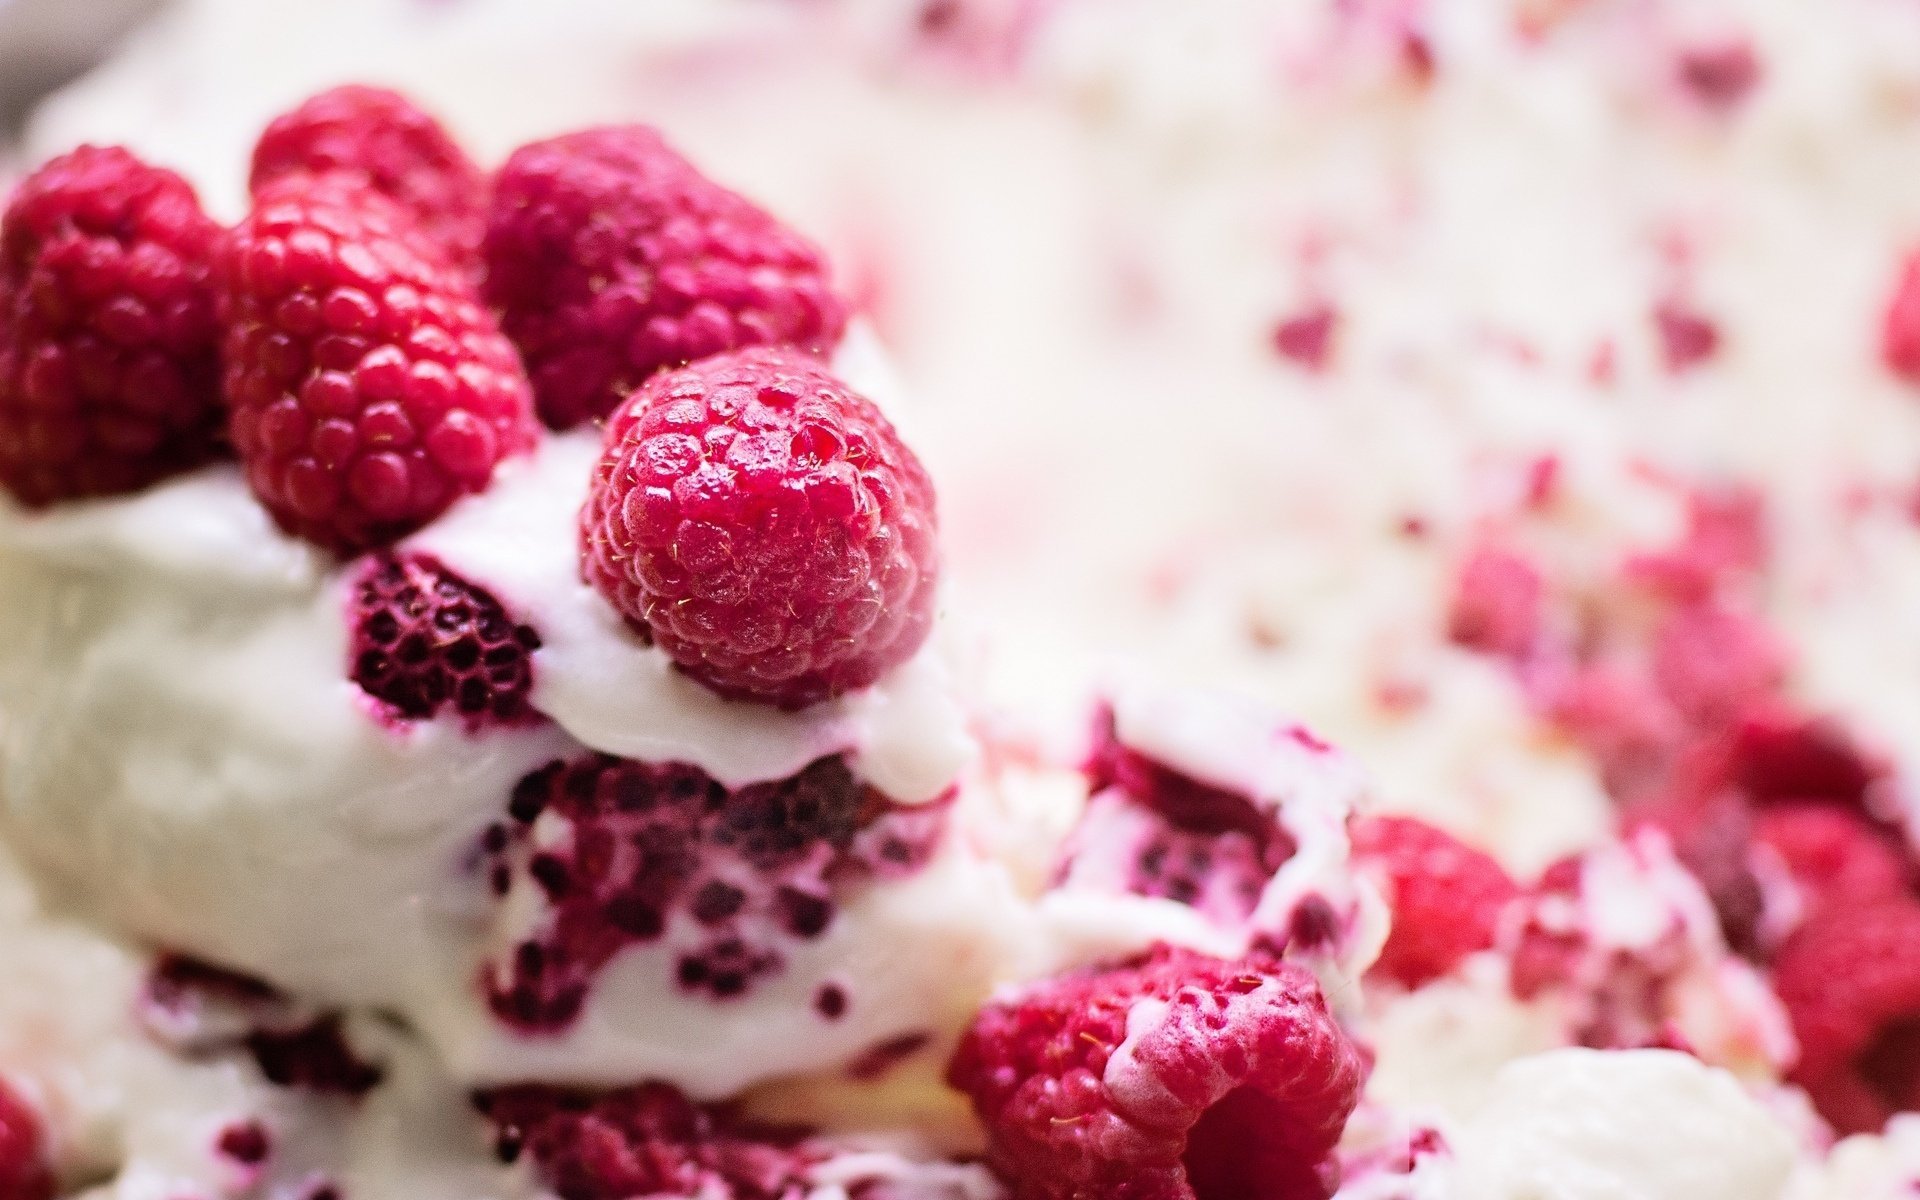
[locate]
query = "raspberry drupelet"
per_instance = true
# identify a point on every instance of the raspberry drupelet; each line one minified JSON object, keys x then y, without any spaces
{"x":1172,"y":1077}
{"x":764,"y":525}
{"x":23,"y":1168}
{"x":109,"y":379}
{"x":611,"y":258}
{"x":383,"y":139}
{"x":1446,"y":896}
{"x":368,"y":388}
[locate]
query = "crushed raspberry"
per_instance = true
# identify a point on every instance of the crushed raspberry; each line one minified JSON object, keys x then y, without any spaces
{"x":645,"y":1141}
{"x":662,"y":854}
{"x":424,"y":639}
{"x":24,"y":1174}
{"x":1839,"y":860}
{"x":1850,"y":980}
{"x":765,"y":526}
{"x":109,"y":378}
{"x":369,"y":389}
{"x":612,"y":258}
{"x":245,"y":1142}
{"x":387,"y":143}
{"x":1447,"y":897}
{"x":1179,"y":838}
{"x":1498,"y":603}
{"x":1307,"y":337}
{"x":314,"y":1057}
{"x":1687,"y":338}
{"x":1720,"y":75}
{"x":1172,"y":1077}
{"x":1900,"y":328}
{"x":1712,"y":663}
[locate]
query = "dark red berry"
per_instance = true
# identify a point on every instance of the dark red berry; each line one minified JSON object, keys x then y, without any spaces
{"x":109,"y":379}
{"x":765,"y":526}
{"x":1850,"y":979}
{"x":387,"y":143}
{"x":368,"y":387}
{"x":1447,"y":897}
{"x":425,"y":639}
{"x":24,"y":1174}
{"x":1172,"y":1077}
{"x":612,"y":258}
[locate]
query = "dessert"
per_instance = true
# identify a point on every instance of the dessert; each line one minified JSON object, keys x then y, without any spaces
{"x":562,"y":710}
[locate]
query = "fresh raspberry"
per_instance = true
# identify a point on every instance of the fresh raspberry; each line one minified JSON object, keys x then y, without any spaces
{"x":634,"y":853}
{"x":1447,"y":897}
{"x":1498,"y":603}
{"x":648,"y":1140}
{"x":369,"y":389}
{"x":109,"y":377}
{"x":613,"y":258}
{"x":23,"y":1166}
{"x":384,"y":140}
{"x":1850,"y":980}
{"x":1172,"y":1077}
{"x":1900,"y":328}
{"x":1839,"y":860}
{"x":765,"y":525}
{"x":424,"y":638}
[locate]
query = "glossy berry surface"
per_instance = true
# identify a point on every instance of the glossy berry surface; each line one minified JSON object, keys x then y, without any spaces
{"x":765,"y":526}
{"x":1172,"y":1077}
{"x":368,"y":387}
{"x":612,"y":258}
{"x":386,"y":141}
{"x":109,"y":379}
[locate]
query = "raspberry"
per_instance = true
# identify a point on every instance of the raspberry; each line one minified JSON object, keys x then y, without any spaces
{"x":1900,"y":328}
{"x":1838,"y":859}
{"x":424,"y":638}
{"x":1850,"y":980}
{"x":662,"y":853}
{"x":1172,"y":1077}
{"x":1447,"y":897}
{"x":611,"y":258}
{"x":1713,"y":663}
{"x":765,"y":526}
{"x":23,"y":1168}
{"x":368,"y":387}
{"x":1687,"y":338}
{"x":648,"y":1140}
{"x":388,"y":144}
{"x":1498,"y":603}
{"x":1719,"y":74}
{"x":109,"y":378}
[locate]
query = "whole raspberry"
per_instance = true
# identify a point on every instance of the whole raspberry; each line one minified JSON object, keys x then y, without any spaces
{"x":23,"y":1167}
{"x":368,"y":387}
{"x":1850,"y":980}
{"x":765,"y":526}
{"x":611,"y":258}
{"x":1172,"y":1077}
{"x":648,"y":1140}
{"x":109,"y":379}
{"x":424,"y":638}
{"x":1838,"y":859}
{"x":384,"y":140}
{"x":1447,"y":897}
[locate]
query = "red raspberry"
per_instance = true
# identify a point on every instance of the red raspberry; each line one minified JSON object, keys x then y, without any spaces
{"x":1713,"y":663}
{"x":1850,"y":979}
{"x":1499,"y":603}
{"x":23,"y":1166}
{"x":424,"y":638}
{"x":1172,"y":1077}
{"x":1900,"y":328}
{"x":765,"y":525}
{"x":611,"y":258}
{"x":645,"y":1141}
{"x":1446,"y":896}
{"x":108,"y":371}
{"x":1840,"y":861}
{"x":391,"y":146}
{"x":368,"y":387}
